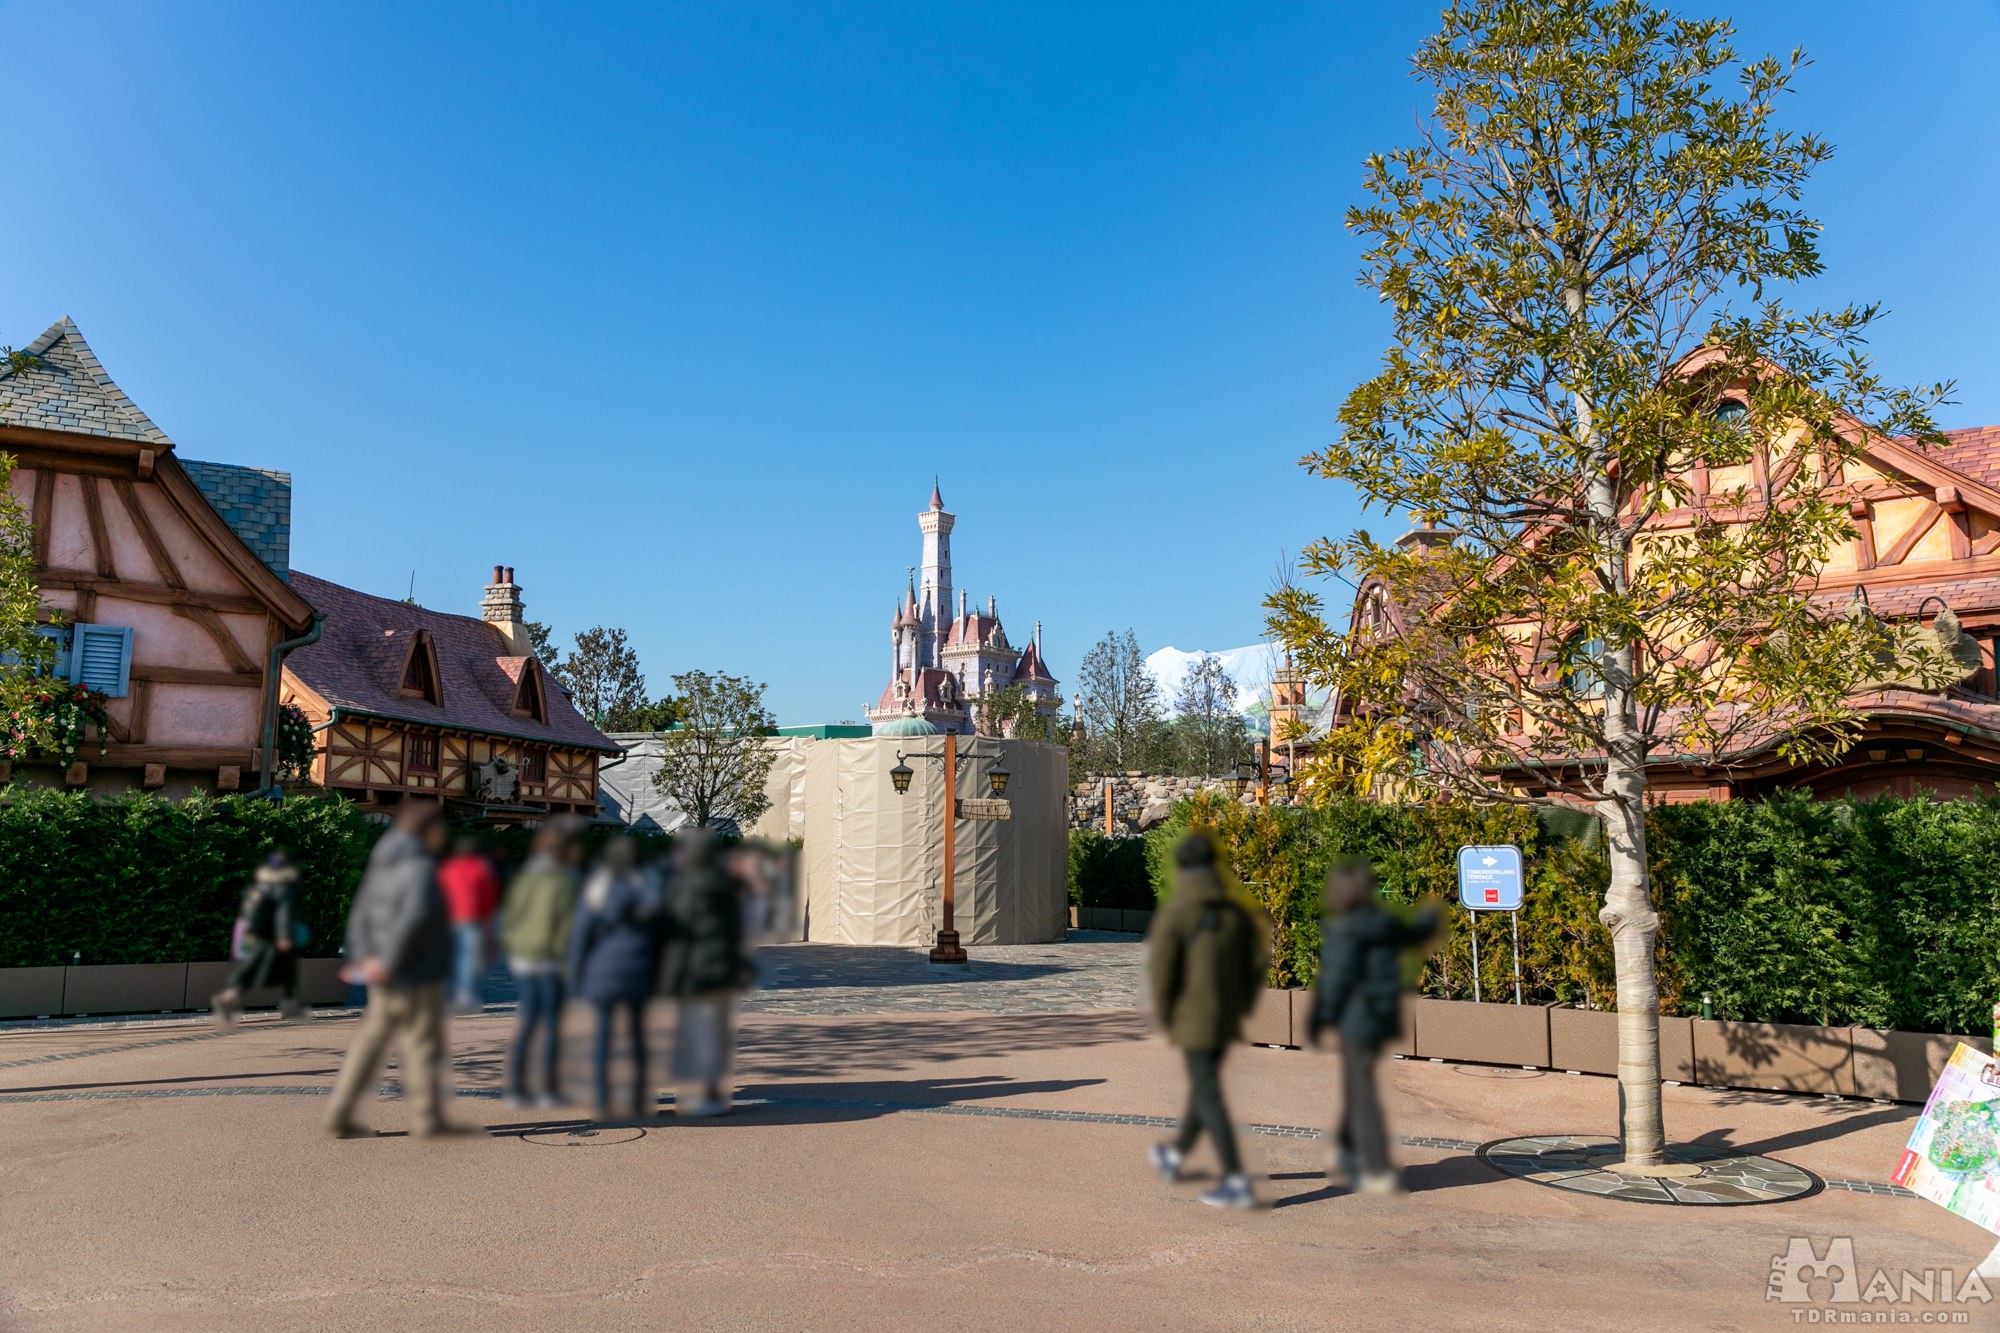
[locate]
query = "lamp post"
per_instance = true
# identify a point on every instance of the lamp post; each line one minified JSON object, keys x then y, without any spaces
{"x":947,"y":950}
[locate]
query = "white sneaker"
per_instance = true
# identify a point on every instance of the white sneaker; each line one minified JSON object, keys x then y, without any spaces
{"x":1383,"y":1182}
{"x":1233,"y":1192}
{"x":1166,"y":1160}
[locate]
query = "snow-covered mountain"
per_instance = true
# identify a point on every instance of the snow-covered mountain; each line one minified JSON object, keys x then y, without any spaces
{"x":1250,"y":667}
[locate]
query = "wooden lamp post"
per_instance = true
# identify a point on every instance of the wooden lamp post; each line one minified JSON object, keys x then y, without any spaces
{"x":947,"y":950}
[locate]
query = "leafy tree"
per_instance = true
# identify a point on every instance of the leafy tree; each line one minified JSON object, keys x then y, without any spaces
{"x":1121,"y":711}
{"x":24,"y":653}
{"x":658,"y":715}
{"x":714,"y":764}
{"x":1012,"y":711}
{"x":602,"y":675}
{"x":1207,"y":728}
{"x":1623,"y":441}
{"x":541,"y":640}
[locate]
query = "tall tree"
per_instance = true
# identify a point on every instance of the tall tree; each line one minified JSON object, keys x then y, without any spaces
{"x":1012,"y":711}
{"x":602,"y":675}
{"x":1626,"y":447}
{"x":25,"y":654}
{"x":1121,"y":704}
{"x":1207,"y":728}
{"x":542,"y":643}
{"x":714,"y":764}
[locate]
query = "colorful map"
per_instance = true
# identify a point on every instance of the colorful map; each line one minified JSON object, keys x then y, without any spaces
{"x":1953,"y":1157}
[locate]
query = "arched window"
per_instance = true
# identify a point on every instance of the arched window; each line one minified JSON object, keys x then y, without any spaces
{"x":1733,"y":412}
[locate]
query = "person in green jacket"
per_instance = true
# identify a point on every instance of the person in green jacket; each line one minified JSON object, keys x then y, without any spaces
{"x":1205,"y":958}
{"x":535,"y":924}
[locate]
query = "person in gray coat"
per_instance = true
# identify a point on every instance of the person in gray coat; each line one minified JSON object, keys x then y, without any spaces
{"x":399,"y":946}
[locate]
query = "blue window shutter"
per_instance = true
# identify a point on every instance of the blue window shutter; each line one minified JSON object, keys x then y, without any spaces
{"x":100,"y":656}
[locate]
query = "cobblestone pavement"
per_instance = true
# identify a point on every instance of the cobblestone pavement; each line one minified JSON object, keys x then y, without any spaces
{"x":1090,"y":971}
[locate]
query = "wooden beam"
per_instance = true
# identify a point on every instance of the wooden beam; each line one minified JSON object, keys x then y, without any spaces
{"x":176,"y":756}
{"x":157,"y":593}
{"x":1918,"y":531}
{"x":142,"y":699}
{"x":100,"y":537}
{"x":1864,"y":534}
{"x":163,"y":561}
{"x":219,"y":632}
{"x":45,"y":498}
{"x":173,"y":675}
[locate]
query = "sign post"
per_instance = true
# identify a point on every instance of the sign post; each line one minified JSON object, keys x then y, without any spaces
{"x":1490,"y":879}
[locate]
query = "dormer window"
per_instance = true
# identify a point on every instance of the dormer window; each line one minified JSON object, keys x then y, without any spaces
{"x":420,"y":670}
{"x":528,"y":699}
{"x":1733,"y":412}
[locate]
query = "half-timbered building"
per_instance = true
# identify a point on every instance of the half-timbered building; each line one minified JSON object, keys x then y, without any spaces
{"x":407,"y":701}
{"x":163,"y":580}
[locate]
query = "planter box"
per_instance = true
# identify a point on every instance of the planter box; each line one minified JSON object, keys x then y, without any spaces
{"x":1494,"y":1034}
{"x":1780,"y":1057}
{"x":1902,"y":1066}
{"x":31,"y":992}
{"x":1677,"y":1049}
{"x":1136,"y":923}
{"x":1269,"y":1022}
{"x":124,"y":988}
{"x":1404,"y":1043}
{"x":1584,"y":1041}
{"x":319,"y":983}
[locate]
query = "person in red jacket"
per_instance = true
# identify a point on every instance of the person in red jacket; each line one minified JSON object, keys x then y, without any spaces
{"x":472,"y":889}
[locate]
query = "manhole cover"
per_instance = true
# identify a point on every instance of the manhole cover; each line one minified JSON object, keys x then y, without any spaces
{"x":1496,"y":1071}
{"x":584,"y":1136}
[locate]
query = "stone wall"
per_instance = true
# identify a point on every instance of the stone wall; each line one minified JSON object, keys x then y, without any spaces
{"x":1139,"y":801}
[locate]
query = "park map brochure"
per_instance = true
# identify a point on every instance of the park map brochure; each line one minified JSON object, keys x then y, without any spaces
{"x":1953,"y":1157}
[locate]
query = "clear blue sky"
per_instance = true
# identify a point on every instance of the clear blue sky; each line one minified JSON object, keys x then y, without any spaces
{"x":677,"y":310}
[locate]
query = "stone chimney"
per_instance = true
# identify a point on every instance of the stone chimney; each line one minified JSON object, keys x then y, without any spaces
{"x":503,"y":609}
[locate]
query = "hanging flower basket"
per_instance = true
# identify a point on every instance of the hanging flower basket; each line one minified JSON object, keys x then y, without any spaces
{"x":295,"y":742}
{"x":49,"y":720}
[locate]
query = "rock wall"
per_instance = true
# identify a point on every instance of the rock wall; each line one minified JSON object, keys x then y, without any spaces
{"x":1139,"y":801}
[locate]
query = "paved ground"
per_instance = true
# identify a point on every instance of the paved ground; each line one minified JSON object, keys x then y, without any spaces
{"x":897,"y":1167}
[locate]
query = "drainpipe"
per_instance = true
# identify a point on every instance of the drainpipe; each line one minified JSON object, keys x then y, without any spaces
{"x":267,"y":784}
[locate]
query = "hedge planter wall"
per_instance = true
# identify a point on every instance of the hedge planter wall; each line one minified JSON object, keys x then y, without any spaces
{"x":146,"y":880}
{"x":1882,"y":913}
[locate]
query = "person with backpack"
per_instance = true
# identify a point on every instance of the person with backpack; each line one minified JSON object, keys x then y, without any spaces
{"x":535,"y":923}
{"x":614,"y":953}
{"x":267,"y":935}
{"x":1205,"y":958}
{"x":1359,"y":995}
{"x":706,"y":965}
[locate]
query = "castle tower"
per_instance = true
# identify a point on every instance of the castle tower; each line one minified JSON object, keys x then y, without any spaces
{"x":934,"y":592}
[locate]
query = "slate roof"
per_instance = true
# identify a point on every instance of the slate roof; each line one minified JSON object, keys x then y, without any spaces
{"x":358,"y":661}
{"x":1974,"y":452}
{"x":70,"y":392}
{"x":929,"y":687}
{"x":255,"y":502}
{"x":1031,"y":666}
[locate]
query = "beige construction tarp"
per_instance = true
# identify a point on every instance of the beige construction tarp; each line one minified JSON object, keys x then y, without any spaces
{"x":873,"y":858}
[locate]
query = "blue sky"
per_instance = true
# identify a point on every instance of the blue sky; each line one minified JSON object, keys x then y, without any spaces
{"x":677,"y":309}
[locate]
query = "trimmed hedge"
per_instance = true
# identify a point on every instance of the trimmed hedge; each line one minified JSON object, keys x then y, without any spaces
{"x":1875,"y":913}
{"x":1108,"y":872}
{"x":141,"y":879}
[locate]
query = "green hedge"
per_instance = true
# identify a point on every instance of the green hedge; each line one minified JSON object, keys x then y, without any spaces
{"x":1108,"y":872}
{"x":1881,"y":913}
{"x":146,"y":880}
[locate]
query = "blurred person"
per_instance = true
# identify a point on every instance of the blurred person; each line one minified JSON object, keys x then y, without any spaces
{"x":614,"y":953}
{"x":399,"y":946}
{"x":1205,"y":958}
{"x":472,"y":888}
{"x":1359,"y":995}
{"x":266,"y":939}
{"x":535,"y":925}
{"x":705,"y":966}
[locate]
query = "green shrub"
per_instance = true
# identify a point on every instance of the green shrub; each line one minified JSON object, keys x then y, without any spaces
{"x":1881,"y":912}
{"x":1108,"y":872}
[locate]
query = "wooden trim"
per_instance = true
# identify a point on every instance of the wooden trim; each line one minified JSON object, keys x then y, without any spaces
{"x":211,"y":622}
{"x":1987,"y":544}
{"x":142,"y":701}
{"x":45,"y":498}
{"x":1864,"y":534}
{"x":1918,"y":531}
{"x":177,"y":756}
{"x":157,"y":593}
{"x":163,"y":561}
{"x":173,"y":675}
{"x":277,"y":595}
{"x":100,"y":537}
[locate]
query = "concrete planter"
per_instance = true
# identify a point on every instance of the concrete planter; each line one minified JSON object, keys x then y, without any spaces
{"x":1270,"y":1021}
{"x":1403,"y":1043}
{"x":1780,"y":1057}
{"x":1136,"y":923}
{"x":1494,"y":1034}
{"x":31,"y":992}
{"x":319,"y":981}
{"x":1583,"y":1041}
{"x":1902,"y":1066}
{"x":124,"y":988}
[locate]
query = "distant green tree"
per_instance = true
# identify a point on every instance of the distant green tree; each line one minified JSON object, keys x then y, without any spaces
{"x":1014,"y":712}
{"x":1208,"y":731}
{"x":713,"y":765}
{"x":25,"y":655}
{"x":1124,"y":728}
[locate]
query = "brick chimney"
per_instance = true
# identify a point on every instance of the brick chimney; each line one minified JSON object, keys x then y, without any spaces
{"x":503,"y":609}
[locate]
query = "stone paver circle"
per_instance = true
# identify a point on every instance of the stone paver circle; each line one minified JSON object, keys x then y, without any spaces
{"x":584,"y":1136}
{"x":1702,"y":1174}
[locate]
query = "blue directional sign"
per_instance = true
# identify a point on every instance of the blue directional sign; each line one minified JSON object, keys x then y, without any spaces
{"x":1489,"y":878}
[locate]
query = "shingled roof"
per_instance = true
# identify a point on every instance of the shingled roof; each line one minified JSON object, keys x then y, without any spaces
{"x":357,"y":665}
{"x":69,"y":391}
{"x":255,"y":502}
